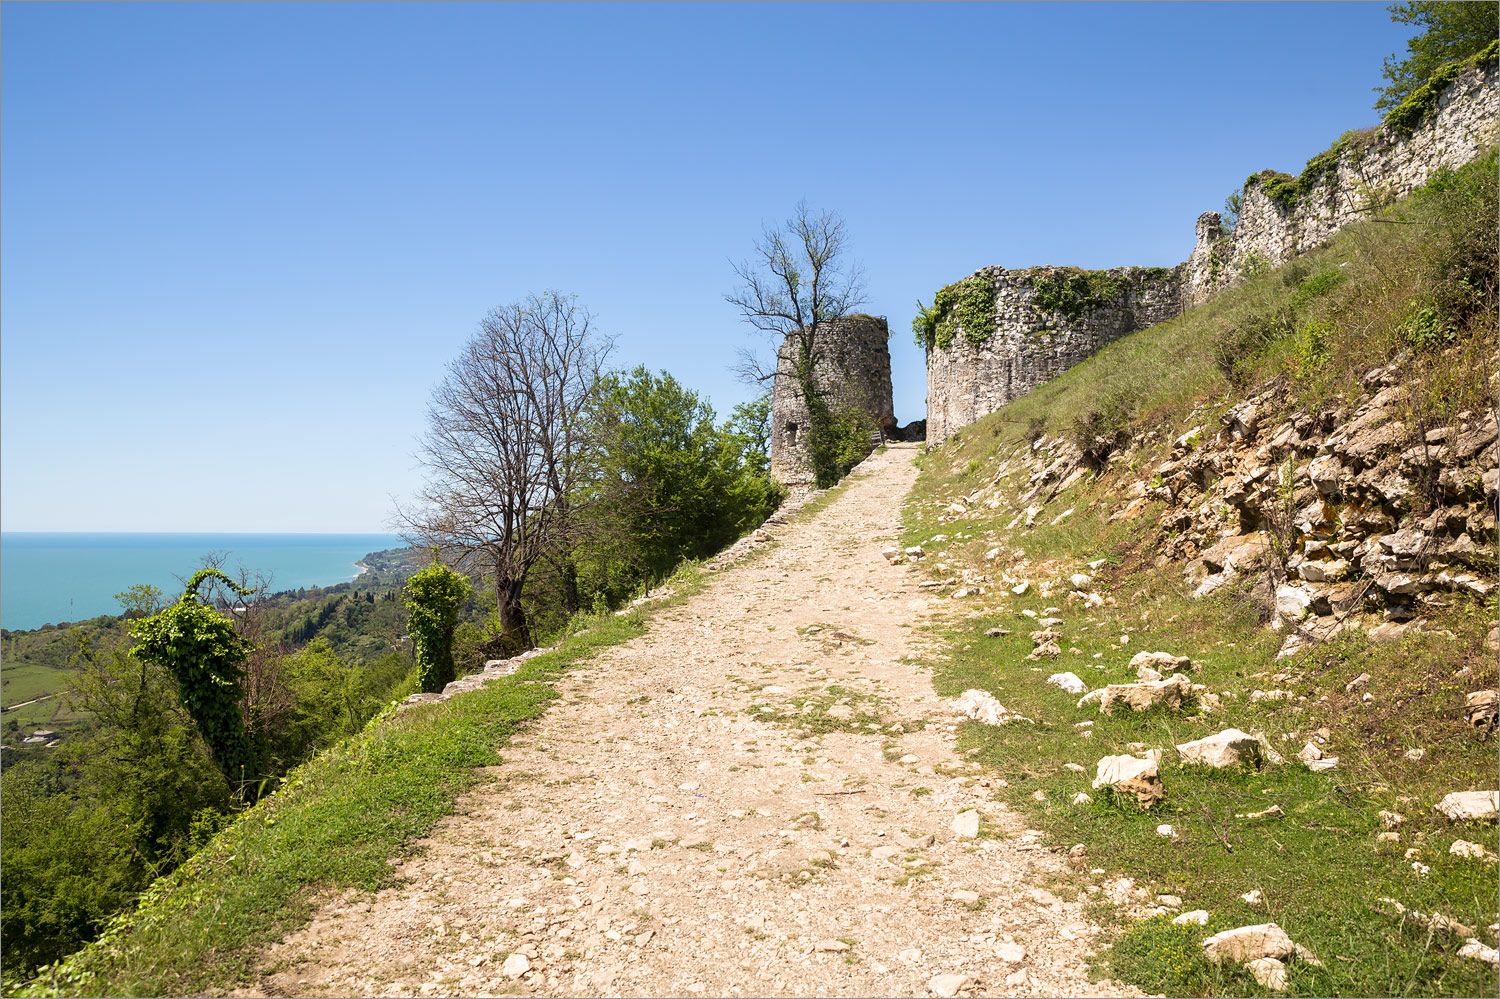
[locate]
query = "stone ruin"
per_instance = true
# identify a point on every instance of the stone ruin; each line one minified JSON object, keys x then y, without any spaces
{"x":970,"y":378}
{"x":853,"y":370}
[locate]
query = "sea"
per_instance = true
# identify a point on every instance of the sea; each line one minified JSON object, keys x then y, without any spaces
{"x":49,"y":578}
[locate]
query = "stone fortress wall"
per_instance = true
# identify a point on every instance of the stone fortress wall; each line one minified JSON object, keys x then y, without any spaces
{"x":1031,"y":345}
{"x":1280,"y":217}
{"x":853,"y":369}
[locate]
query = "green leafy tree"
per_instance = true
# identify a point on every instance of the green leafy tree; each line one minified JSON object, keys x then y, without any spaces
{"x":1450,"y":31}
{"x":434,"y":596}
{"x":669,"y":481}
{"x":199,"y":647}
{"x":140,"y":600}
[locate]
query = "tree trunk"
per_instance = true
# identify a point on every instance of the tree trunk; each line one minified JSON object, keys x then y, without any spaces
{"x":512,"y":614}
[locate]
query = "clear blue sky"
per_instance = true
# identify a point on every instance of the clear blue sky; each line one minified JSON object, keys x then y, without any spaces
{"x":238,"y":242}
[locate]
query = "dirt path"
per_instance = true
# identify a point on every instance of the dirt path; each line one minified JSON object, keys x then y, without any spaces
{"x":660,"y":833}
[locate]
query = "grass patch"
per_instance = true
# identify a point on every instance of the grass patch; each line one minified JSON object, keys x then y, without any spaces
{"x":335,"y":825}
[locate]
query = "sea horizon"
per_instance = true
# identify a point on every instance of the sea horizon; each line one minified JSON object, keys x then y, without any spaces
{"x":52,"y":577}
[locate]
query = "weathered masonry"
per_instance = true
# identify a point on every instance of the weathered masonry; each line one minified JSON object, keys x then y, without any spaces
{"x":997,"y":334}
{"x":852,"y":370}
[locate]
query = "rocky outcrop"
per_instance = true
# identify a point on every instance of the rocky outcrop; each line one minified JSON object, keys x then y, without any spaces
{"x":1354,"y":516}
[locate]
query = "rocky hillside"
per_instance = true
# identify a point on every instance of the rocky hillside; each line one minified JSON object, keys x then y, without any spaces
{"x":1221,"y":611}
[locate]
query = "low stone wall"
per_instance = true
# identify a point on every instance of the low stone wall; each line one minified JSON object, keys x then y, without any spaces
{"x":1030,"y":345}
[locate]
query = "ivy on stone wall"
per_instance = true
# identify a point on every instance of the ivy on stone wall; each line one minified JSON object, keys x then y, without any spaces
{"x":1072,"y":293}
{"x":1404,"y":118}
{"x":966,"y":307}
{"x":1287,"y":191}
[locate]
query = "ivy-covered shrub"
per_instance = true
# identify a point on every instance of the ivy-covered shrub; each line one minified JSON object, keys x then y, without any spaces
{"x":966,"y":307}
{"x":434,"y":596}
{"x":199,"y":647}
{"x":1404,"y":118}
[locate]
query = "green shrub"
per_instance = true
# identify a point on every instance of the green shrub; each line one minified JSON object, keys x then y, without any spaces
{"x":966,"y":307}
{"x":1241,"y":342}
{"x":1071,"y":294}
{"x":433,"y":596}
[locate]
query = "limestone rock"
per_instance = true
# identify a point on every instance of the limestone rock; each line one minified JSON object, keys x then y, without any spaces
{"x":1470,"y":806}
{"x":1229,"y":748}
{"x":966,"y":824}
{"x":1473,"y":851}
{"x":1010,"y":953}
{"x":1197,"y":917}
{"x":1146,"y":695}
{"x":1476,"y":950}
{"x":515,"y":966}
{"x":1244,"y":944}
{"x":1270,"y":972}
{"x":1162,"y":662}
{"x":830,"y":947}
{"x":1068,"y":682}
{"x":948,"y":986}
{"x":982,"y":706}
{"x":1480,"y":710}
{"x":1131,"y":775}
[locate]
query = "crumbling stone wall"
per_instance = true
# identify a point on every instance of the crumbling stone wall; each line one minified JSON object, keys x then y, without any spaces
{"x":967,"y":380}
{"x":1031,"y":345}
{"x":1369,"y":169}
{"x":853,"y":369}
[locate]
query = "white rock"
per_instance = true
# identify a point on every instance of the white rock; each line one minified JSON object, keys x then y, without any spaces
{"x":1010,"y":953}
{"x":1252,"y":897}
{"x":1166,"y":693}
{"x":1080,"y":580}
{"x":982,"y":706}
{"x":1470,"y":806}
{"x":1130,"y":775}
{"x":1162,"y":662}
{"x":1479,"y":952}
{"x":1229,"y":748}
{"x":1068,"y":682}
{"x":1146,"y":674}
{"x":1081,"y":798}
{"x":1248,"y":943}
{"x":1269,"y":972}
{"x":515,"y":966}
{"x":1091,"y":697}
{"x":1309,"y":753}
{"x":965,"y":896}
{"x":948,"y":986}
{"x":830,"y":947}
{"x":966,"y":824}
{"x":1198,"y":917}
{"x":1326,"y":763}
{"x":1390,"y":819}
{"x":1166,"y":830}
{"x":1415,"y":754}
{"x":1292,"y":602}
{"x":1473,"y":851}
{"x":1020,"y":588}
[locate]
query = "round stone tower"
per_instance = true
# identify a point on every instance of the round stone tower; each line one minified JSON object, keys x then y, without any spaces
{"x":852,"y":370}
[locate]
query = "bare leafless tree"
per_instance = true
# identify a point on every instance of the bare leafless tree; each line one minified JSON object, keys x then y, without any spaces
{"x":796,"y":283}
{"x":505,"y":437}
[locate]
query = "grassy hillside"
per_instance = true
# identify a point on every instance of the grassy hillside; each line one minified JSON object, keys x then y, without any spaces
{"x":1415,"y":285}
